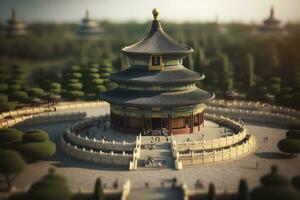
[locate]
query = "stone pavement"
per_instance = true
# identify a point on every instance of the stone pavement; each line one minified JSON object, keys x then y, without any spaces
{"x":225,"y":175}
{"x":155,"y":194}
{"x":162,"y":151}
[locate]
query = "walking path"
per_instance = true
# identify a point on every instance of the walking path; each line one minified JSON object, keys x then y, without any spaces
{"x":155,"y":194}
{"x":161,"y":152}
{"x":224,"y":174}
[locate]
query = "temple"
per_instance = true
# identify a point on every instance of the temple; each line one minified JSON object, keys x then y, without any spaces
{"x":15,"y":27}
{"x":88,"y":27}
{"x":271,"y":23}
{"x":157,"y":92}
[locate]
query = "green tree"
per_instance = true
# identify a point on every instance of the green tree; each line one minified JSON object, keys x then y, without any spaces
{"x":250,"y":75}
{"x":11,"y":164}
{"x":212,"y":192}
{"x":98,"y":190}
{"x":52,"y":186}
{"x":243,"y":193}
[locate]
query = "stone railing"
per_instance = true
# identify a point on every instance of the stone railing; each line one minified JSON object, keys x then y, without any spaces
{"x":222,"y":154}
{"x":13,"y":121}
{"x":250,"y":105}
{"x":126,"y":190}
{"x":128,"y":160}
{"x":254,"y":115}
{"x":100,"y":144}
{"x":22,"y":114}
{"x":58,"y":107}
{"x":54,"y":117}
{"x":238,"y":136}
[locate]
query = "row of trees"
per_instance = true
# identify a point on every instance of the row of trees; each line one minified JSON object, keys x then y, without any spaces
{"x":273,"y":186}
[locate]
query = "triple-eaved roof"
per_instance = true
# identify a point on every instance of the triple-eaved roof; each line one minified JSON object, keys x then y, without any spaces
{"x":156,"y":42}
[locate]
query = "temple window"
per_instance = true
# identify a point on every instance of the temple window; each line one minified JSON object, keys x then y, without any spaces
{"x":156,"y":63}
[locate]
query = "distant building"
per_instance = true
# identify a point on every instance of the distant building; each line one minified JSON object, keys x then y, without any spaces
{"x":15,"y":27}
{"x":271,"y":23}
{"x":157,"y":93}
{"x":88,"y":27}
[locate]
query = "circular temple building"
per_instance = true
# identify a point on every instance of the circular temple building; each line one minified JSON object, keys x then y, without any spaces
{"x":88,"y":26}
{"x":15,"y":26}
{"x":157,"y":92}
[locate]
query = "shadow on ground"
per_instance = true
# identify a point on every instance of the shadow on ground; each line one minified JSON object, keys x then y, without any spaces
{"x":272,"y":155}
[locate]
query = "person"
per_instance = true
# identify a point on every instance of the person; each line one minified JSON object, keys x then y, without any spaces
{"x":267,"y":138}
{"x":257,"y":164}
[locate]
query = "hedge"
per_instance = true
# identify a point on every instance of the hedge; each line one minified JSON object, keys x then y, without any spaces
{"x":74,"y":86}
{"x":74,"y":75}
{"x":290,"y":146}
{"x":35,"y":135}
{"x":37,"y":150}
{"x":73,"y":80}
{"x":75,"y":68}
{"x":7,"y":106}
{"x":92,"y":70}
{"x":9,"y":134}
{"x":101,"y":88}
{"x":3,"y":98}
{"x":97,"y":81}
{"x":36,"y":92}
{"x":293,"y":134}
{"x":14,"y":87}
{"x":19,"y":95}
{"x":105,"y":75}
{"x":11,"y":162}
{"x":52,"y":186}
{"x":93,"y":76}
{"x":55,"y":85}
{"x":3,"y":87}
{"x":75,"y":94}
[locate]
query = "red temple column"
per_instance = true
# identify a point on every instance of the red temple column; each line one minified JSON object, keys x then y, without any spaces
{"x":170,"y":125}
{"x":199,"y":121}
{"x":191,"y":123}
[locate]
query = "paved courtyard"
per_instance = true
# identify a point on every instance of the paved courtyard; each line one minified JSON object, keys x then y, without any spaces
{"x":225,"y":175}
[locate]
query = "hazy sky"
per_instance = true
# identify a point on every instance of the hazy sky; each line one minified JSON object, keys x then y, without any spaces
{"x":140,"y":10}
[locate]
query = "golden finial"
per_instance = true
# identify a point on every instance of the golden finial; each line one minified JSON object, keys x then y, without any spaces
{"x":155,"y":13}
{"x":13,"y":13}
{"x":272,"y":11}
{"x":87,"y":14}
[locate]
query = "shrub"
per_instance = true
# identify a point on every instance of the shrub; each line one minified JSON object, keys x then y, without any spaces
{"x":98,"y":190}
{"x":105,"y":75}
{"x":73,"y":80}
{"x":293,"y":134}
{"x":291,"y":146}
{"x":7,"y":106}
{"x":275,"y":187}
{"x":75,"y":94}
{"x":92,"y":70}
{"x":19,"y":96}
{"x":275,"y":89}
{"x":52,"y":186}
{"x":14,"y":87}
{"x":33,"y":151}
{"x":100,"y":88}
{"x":9,"y":134}
{"x":75,"y":68}
{"x":35,"y":135}
{"x":11,"y":164}
{"x":36,"y":92}
{"x":3,"y":98}
{"x":74,"y":75}
{"x":93,"y":76}
{"x":97,"y":81}
{"x":55,"y":85}
{"x":3,"y":87}
{"x":74,"y":86}
{"x":243,"y":193}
